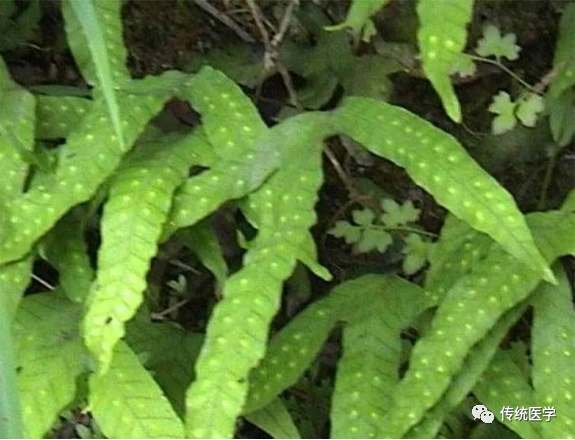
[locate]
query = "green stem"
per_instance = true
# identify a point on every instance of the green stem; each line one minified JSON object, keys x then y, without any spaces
{"x":405,"y":229}
{"x":10,"y":418}
{"x":547,"y":181}
{"x":504,"y":68}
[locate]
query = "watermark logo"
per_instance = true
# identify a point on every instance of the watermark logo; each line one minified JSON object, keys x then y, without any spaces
{"x":481,"y":412}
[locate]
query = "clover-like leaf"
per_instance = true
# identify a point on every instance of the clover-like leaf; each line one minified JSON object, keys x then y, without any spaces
{"x":343,"y":229}
{"x":529,"y":108}
{"x":398,"y":215}
{"x":504,"y":108}
{"x":363,"y":217}
{"x":463,"y":66}
{"x":415,"y":250}
{"x":374,"y":239}
{"x":497,"y":45}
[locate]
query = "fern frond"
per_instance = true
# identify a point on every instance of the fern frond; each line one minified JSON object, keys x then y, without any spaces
{"x":475,"y":364}
{"x":58,"y":116}
{"x":552,"y":349}
{"x":90,"y":155}
{"x":564,"y":59}
{"x":504,"y":384}
{"x":66,"y":249}
{"x":94,"y":29}
{"x":14,"y":278}
{"x":368,"y":371}
{"x":470,"y":315}
{"x":438,"y":163}
{"x":51,"y":356}
{"x":217,"y":396}
{"x":139,"y":202}
{"x":441,"y":36}
{"x":274,"y":419}
{"x":169,"y":353}
{"x":127,"y":402}
{"x":359,"y":14}
{"x":17,"y":119}
{"x":454,"y":255}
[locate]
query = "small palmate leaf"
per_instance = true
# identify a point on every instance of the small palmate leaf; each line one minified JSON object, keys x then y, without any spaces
{"x":504,"y":108}
{"x":415,"y":250}
{"x":441,"y":37}
{"x":494,"y":44}
{"x":127,"y":403}
{"x":438,"y":163}
{"x":397,"y":215}
{"x":528,"y":108}
{"x":374,"y":239}
{"x":350,"y":233}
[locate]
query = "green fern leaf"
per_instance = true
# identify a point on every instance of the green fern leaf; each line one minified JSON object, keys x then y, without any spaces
{"x":94,"y":34}
{"x":66,"y":249}
{"x":14,"y":278}
{"x":508,"y":282}
{"x":475,"y":364}
{"x":17,"y":120}
{"x":50,"y":358}
{"x":274,"y":419}
{"x":58,"y":116}
{"x":127,"y":403}
{"x":359,"y":14}
{"x":504,"y":384}
{"x":138,"y":205}
{"x":90,"y":155}
{"x":201,"y":239}
{"x":552,"y":348}
{"x":438,"y":163}
{"x":217,"y":396}
{"x":441,"y":36}
{"x":169,"y":353}
{"x":564,"y":59}
{"x":457,"y":252}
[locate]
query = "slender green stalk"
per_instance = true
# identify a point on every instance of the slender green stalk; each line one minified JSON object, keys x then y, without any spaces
{"x":504,"y":68}
{"x":547,"y":181}
{"x":10,"y":418}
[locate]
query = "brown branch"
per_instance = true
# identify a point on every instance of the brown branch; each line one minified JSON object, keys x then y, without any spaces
{"x":223,"y":18}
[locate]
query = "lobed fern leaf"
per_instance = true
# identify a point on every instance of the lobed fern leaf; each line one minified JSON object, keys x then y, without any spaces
{"x":438,"y":163}
{"x":441,"y":36}
{"x":128,"y":403}
{"x":58,"y":116}
{"x":507,"y":287}
{"x":139,"y":203}
{"x":552,"y":348}
{"x":217,"y":396}
{"x":89,"y":156}
{"x":51,"y":357}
